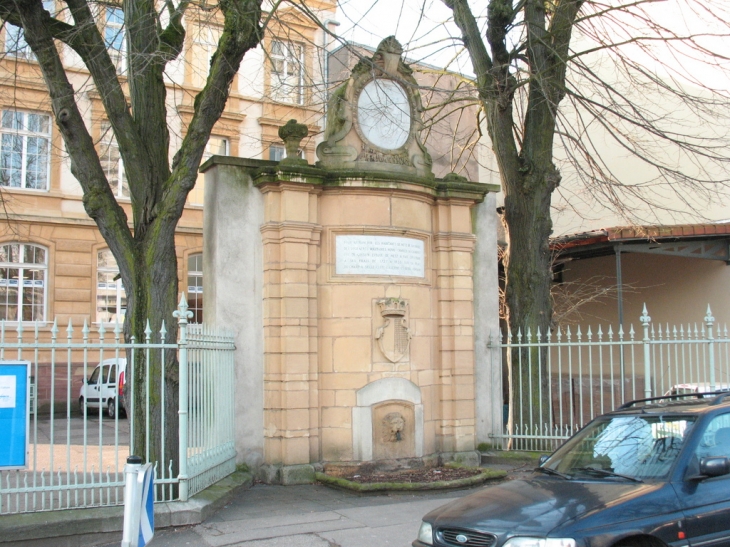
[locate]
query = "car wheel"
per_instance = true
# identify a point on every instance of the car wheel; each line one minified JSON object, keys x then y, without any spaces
{"x":81,"y":405}
{"x":111,"y":408}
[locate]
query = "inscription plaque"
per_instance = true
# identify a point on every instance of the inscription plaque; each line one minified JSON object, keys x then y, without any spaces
{"x":379,"y":255}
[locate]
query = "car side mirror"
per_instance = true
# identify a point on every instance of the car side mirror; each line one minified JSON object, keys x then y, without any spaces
{"x":543,"y":459}
{"x":715,"y":466}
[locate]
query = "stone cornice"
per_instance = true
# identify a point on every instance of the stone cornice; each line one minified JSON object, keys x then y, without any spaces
{"x":68,"y":221}
{"x":266,"y":172}
{"x":313,"y":127}
{"x":227,"y":114}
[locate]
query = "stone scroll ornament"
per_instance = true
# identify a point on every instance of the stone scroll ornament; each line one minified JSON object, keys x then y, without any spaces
{"x":374,"y":122}
{"x":394,"y":336}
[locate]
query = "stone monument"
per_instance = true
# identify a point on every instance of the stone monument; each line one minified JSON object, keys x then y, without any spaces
{"x":351,"y":286}
{"x":374,"y":121}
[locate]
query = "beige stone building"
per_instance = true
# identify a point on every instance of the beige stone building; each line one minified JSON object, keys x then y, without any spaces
{"x":54,"y":264}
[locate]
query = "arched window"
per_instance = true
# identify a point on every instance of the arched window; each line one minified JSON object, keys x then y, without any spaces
{"x":111,"y":300}
{"x":195,"y":287}
{"x":23,"y":274}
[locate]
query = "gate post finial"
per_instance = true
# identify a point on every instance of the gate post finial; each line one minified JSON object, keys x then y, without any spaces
{"x":645,"y":319}
{"x":709,"y":319}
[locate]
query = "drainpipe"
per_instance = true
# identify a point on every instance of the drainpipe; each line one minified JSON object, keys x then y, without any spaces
{"x":619,"y":284}
{"x":619,"y":296}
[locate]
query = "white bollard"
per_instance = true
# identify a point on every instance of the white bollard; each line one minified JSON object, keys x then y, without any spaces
{"x":131,"y":508}
{"x":139,"y":524}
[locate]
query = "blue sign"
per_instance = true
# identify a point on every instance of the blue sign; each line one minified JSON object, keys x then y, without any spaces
{"x":14,"y":413}
{"x":147,"y":516}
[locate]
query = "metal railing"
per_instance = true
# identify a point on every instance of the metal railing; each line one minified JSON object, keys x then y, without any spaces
{"x":77,"y":454}
{"x":564,"y":378}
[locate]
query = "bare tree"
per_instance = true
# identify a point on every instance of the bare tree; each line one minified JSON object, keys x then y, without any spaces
{"x":137,"y":115}
{"x":539,"y":79}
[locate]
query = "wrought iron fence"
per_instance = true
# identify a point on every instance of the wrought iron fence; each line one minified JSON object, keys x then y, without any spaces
{"x":77,"y":454}
{"x":566,"y":377}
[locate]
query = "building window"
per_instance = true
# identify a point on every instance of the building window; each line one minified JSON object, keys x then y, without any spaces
{"x":195,"y":287}
{"x":287,"y":72}
{"x":23,"y":271}
{"x":205,"y":44}
{"x":278,"y":153}
{"x":24,"y":150}
{"x":111,"y":300}
{"x":15,"y":44}
{"x":114,"y":37}
{"x":217,"y":146}
{"x":111,"y":162}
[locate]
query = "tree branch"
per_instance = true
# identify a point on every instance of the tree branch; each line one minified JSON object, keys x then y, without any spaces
{"x":241,"y":32}
{"x":99,"y":201}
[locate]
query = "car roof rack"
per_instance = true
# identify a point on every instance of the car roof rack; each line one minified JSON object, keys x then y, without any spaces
{"x":719,"y":397}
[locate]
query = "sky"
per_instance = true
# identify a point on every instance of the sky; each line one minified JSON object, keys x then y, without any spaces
{"x":425,"y":29}
{"x":422,"y":26}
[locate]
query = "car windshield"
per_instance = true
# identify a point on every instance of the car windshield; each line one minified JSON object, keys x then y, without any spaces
{"x":623,"y":447}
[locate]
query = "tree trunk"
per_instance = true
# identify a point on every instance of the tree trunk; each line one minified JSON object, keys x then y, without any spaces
{"x":150,"y":305}
{"x":158,"y":190}
{"x":528,"y":280}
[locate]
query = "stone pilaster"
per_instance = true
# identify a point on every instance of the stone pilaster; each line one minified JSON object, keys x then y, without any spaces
{"x":291,"y":241}
{"x":453,"y":248}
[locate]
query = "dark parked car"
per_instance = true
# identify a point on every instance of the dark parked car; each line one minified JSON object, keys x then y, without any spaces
{"x":653,"y":473}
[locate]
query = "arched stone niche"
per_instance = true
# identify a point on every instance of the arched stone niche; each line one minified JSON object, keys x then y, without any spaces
{"x":396,"y":392}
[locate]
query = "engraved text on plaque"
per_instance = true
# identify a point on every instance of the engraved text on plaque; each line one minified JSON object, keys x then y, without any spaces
{"x":379,"y":255}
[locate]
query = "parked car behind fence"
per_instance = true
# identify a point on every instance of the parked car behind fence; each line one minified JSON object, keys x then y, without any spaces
{"x":104,"y":389}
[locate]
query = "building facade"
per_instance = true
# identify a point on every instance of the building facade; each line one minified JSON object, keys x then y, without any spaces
{"x":54,"y":264}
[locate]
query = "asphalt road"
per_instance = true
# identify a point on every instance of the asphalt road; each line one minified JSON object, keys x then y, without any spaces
{"x":309,"y":516}
{"x":291,"y":516}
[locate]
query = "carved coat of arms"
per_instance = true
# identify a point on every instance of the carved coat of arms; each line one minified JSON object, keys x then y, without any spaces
{"x":393,"y":336}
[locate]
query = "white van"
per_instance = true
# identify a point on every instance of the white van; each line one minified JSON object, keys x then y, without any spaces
{"x":687,"y":389}
{"x":100,"y":390}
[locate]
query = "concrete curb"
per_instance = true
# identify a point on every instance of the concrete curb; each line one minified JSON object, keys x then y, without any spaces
{"x":514,"y":458}
{"x":26,"y":527}
{"x":339,"y":482}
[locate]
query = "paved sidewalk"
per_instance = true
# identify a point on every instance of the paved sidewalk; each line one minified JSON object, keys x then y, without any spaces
{"x":309,"y":516}
{"x":260,"y":516}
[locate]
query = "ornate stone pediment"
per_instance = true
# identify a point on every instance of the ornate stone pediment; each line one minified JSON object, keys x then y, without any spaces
{"x":374,"y":121}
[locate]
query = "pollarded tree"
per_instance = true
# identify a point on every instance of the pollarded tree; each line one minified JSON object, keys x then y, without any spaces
{"x":143,"y":247}
{"x":539,"y":79}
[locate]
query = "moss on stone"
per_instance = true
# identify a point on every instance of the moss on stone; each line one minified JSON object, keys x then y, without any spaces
{"x":514,"y":455}
{"x":339,"y":482}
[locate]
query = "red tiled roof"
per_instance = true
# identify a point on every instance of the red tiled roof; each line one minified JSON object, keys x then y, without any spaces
{"x":628,"y":233}
{"x":621,"y":233}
